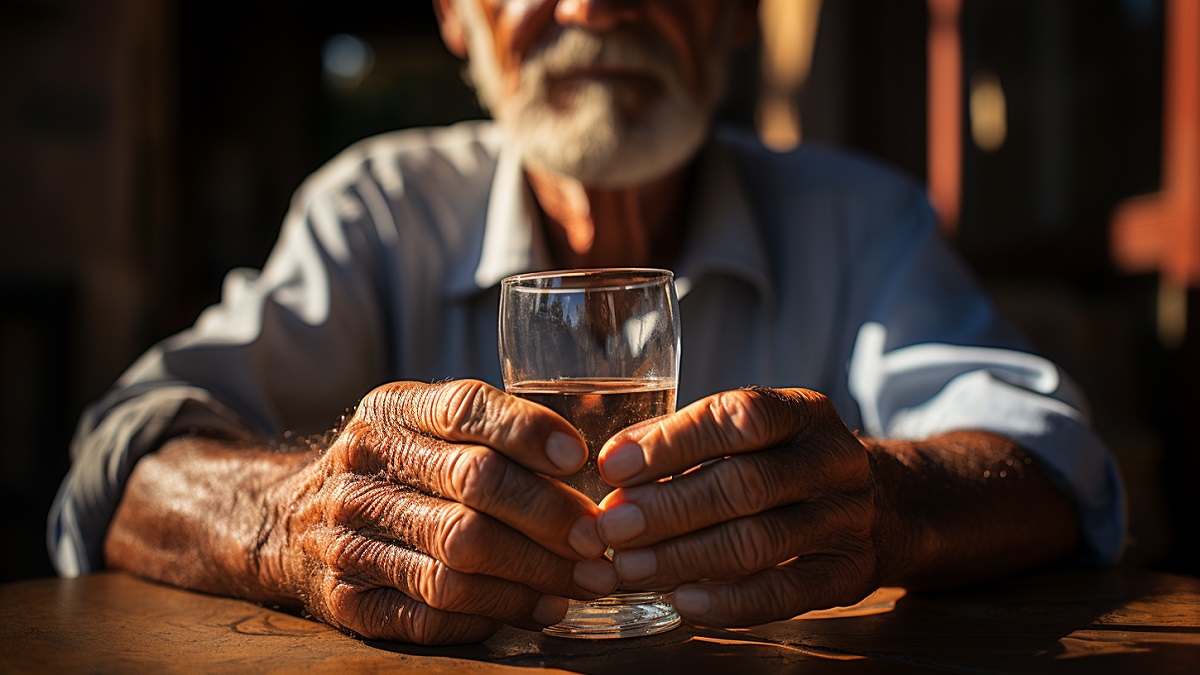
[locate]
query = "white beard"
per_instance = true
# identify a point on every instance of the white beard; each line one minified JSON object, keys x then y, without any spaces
{"x":591,"y":136}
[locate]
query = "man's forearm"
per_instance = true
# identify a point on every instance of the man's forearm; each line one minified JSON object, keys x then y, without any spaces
{"x":967,"y":506}
{"x":194,"y":514}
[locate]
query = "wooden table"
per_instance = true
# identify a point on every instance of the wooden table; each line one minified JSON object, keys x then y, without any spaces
{"x":1067,"y":621}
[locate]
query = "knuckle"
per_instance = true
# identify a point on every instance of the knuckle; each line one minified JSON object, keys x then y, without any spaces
{"x":440,"y":588}
{"x":413,"y":622}
{"x":462,"y":533}
{"x":356,"y":609}
{"x":479,"y":476}
{"x":749,"y":544}
{"x":670,"y":506}
{"x":813,"y":399}
{"x":790,"y":413}
{"x":462,"y":406}
{"x":439,"y":409}
{"x":342,"y":606}
{"x":415,"y":460}
{"x":741,"y":488}
{"x":450,"y":590}
{"x":382,"y":403}
{"x":818,"y":418}
{"x":353,"y":445}
{"x":344,"y":552}
{"x":737,"y":416}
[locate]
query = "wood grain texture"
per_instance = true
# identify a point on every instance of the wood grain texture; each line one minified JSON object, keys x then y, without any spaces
{"x":1093,"y":621}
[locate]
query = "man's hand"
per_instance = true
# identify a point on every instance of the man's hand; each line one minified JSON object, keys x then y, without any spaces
{"x":774,"y":510}
{"x":424,"y":521}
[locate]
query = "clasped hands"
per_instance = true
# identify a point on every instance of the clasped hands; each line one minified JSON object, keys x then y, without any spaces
{"x":431,"y":519}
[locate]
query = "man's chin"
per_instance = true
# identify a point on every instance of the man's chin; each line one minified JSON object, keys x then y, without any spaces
{"x":605,"y":154}
{"x":630,"y":94}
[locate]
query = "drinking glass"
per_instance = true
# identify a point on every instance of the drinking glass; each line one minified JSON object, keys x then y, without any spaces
{"x":601,"y":348}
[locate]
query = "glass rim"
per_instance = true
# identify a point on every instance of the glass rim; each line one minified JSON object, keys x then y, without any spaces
{"x":637,"y":277}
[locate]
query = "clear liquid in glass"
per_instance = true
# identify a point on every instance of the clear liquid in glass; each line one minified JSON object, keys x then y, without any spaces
{"x":600,"y":408}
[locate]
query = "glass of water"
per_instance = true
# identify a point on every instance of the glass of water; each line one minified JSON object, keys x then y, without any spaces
{"x":601,"y":348}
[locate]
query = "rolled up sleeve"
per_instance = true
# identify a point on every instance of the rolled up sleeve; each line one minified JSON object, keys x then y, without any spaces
{"x":112,"y":437}
{"x":287,"y":349}
{"x":916,"y":391}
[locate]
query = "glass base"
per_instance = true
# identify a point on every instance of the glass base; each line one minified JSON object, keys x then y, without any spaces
{"x":617,"y":616}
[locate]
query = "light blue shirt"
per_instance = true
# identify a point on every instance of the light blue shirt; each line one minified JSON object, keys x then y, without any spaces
{"x":803,"y":269}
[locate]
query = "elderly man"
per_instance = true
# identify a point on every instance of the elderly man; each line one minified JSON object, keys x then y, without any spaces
{"x":427,"y":515}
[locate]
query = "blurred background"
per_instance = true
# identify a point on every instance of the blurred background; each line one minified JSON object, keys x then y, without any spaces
{"x":148,"y":146}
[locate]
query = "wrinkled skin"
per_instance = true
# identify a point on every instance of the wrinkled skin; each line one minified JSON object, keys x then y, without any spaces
{"x":425,"y":520}
{"x":428,"y":519}
{"x":420,"y":510}
{"x":784,"y":498}
{"x":776,"y":508}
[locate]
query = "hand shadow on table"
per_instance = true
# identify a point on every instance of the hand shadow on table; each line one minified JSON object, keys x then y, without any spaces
{"x":1058,"y":620}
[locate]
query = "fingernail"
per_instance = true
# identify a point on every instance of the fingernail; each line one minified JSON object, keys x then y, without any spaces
{"x":596,"y":576}
{"x":621,"y":523}
{"x":692,"y":601}
{"x":550,"y":609}
{"x":622,"y":463}
{"x":565,"y":452}
{"x":583,"y":538}
{"x":635,"y":564}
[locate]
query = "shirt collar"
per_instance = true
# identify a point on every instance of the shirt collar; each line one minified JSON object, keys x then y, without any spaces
{"x":510,"y":242}
{"x":724,"y":239}
{"x":725,"y":236}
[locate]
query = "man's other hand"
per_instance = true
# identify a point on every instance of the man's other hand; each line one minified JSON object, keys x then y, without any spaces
{"x":754,"y":505}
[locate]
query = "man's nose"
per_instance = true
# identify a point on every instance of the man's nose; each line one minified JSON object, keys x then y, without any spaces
{"x":596,"y":15}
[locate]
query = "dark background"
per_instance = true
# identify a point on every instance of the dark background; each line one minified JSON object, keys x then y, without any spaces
{"x":147,"y":146}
